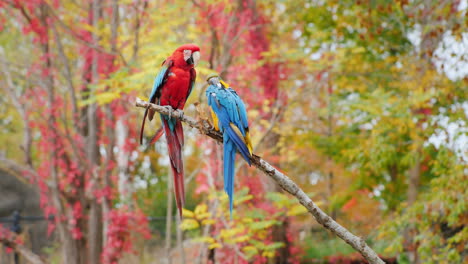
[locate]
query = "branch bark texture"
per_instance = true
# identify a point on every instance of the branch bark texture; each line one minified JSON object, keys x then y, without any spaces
{"x":283,"y":181}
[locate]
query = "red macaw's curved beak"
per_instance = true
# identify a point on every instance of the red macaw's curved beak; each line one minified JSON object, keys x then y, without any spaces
{"x":191,"y":58}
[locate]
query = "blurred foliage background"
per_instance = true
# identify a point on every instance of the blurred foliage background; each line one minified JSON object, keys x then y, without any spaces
{"x":363,"y":103}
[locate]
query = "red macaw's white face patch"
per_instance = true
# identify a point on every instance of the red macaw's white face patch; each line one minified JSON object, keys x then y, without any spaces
{"x":195,"y":56}
{"x":187,"y":54}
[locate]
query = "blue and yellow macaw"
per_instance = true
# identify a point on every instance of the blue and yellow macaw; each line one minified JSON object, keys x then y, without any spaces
{"x":229,"y":117}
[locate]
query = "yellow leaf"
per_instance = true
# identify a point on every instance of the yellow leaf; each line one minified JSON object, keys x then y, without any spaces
{"x":205,"y":239}
{"x":106,"y":97}
{"x":189,"y":224}
{"x":247,"y":220}
{"x":297,"y":210}
{"x":214,"y":245}
{"x":208,"y":222}
{"x":203,"y":216}
{"x":268,"y":254}
{"x":187,"y":213}
{"x":228,"y":233}
{"x":250,"y":251}
{"x":200,"y":209}
{"x":241,"y":239}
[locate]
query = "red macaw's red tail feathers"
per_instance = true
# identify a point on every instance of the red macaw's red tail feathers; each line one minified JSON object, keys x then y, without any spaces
{"x":158,"y":133}
{"x":157,"y":136}
{"x":151,"y":113}
{"x":179,"y":190}
{"x":143,"y":126}
{"x":175,"y":142}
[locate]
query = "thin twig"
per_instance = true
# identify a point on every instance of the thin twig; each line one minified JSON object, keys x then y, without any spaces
{"x":283,"y":181}
{"x":17,"y":168}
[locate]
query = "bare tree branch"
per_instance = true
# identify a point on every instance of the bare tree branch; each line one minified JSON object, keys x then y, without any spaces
{"x":18,"y":169}
{"x":68,"y":76}
{"x":283,"y":181}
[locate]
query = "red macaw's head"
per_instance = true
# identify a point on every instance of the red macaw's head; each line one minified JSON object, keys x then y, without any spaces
{"x":190,"y":53}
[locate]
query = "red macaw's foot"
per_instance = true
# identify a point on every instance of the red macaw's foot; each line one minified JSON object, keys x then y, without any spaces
{"x":169,"y":109}
{"x":179,"y":113}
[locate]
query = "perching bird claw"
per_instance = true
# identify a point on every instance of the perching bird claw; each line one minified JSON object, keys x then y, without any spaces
{"x":170,"y":110}
{"x":179,"y":113}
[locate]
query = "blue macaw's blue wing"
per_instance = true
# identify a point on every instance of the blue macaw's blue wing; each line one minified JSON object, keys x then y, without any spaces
{"x":224,"y":105}
{"x":242,"y":111}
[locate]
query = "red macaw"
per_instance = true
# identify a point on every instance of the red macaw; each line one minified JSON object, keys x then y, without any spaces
{"x":171,"y":88}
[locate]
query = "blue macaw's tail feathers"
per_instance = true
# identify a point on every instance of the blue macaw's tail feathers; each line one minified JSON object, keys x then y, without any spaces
{"x":234,"y":134}
{"x":229,"y":155}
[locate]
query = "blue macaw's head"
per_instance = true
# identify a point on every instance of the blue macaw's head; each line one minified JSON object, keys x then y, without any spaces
{"x":216,"y":81}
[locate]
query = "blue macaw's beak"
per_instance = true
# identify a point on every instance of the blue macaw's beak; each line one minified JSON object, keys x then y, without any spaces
{"x":213,"y":80}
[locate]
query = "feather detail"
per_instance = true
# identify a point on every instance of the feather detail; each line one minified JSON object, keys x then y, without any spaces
{"x":157,"y":136}
{"x":174,"y":143}
{"x":179,"y":191}
{"x":143,"y":125}
{"x":215,"y":120}
{"x":248,"y":141}
{"x":229,"y":155}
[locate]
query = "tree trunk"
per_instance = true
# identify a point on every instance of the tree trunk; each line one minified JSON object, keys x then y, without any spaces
{"x":412,"y":194}
{"x":414,"y":175}
{"x":95,"y":235}
{"x":180,"y":240}
{"x":169,"y":220}
{"x":125,"y":187}
{"x":71,"y":249}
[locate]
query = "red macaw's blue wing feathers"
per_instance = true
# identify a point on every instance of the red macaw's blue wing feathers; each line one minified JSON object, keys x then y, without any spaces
{"x":232,"y":116}
{"x":155,"y":93}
